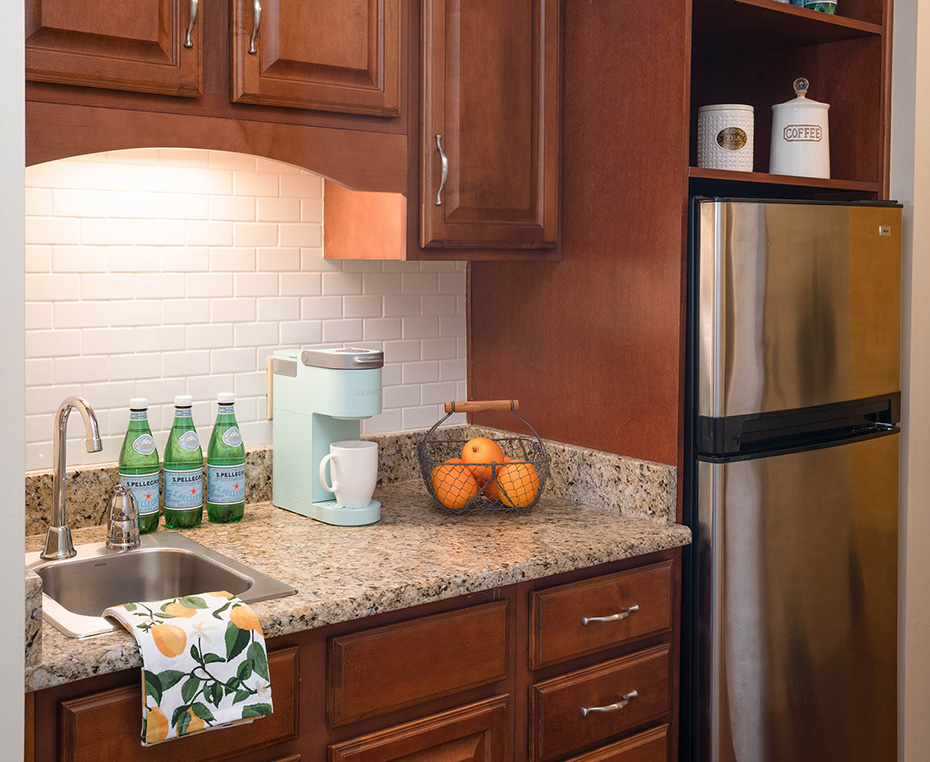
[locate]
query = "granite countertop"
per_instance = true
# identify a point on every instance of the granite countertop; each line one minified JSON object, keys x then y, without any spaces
{"x":416,"y":554}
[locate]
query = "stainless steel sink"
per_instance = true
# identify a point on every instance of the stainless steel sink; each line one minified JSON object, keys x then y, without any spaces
{"x":77,"y":590}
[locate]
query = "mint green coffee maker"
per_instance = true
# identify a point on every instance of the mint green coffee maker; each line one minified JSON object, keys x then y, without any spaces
{"x":320,"y":396}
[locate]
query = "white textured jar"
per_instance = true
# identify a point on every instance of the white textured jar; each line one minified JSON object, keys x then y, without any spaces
{"x":725,"y":136}
{"x":800,"y":136}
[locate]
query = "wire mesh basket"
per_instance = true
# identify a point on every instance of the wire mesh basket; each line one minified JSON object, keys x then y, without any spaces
{"x":503,"y":474}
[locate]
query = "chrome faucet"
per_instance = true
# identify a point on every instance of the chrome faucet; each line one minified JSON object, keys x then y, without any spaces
{"x":58,"y":542}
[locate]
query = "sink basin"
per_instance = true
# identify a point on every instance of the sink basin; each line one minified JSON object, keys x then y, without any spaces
{"x":166,"y":565}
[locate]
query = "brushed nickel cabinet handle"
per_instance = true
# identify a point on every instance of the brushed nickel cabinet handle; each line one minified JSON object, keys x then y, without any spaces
{"x":626,"y":699}
{"x":444,"y":165}
{"x":195,"y":7}
{"x":586,"y":620}
{"x":256,"y":24}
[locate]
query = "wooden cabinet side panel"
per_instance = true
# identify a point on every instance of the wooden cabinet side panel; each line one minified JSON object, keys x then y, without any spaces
{"x":475,"y":733}
{"x":387,"y":668}
{"x":342,"y":57}
{"x":137,"y":46}
{"x":106,"y":725}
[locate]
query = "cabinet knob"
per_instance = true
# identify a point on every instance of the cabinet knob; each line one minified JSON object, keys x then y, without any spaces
{"x":195,"y":7}
{"x":586,"y":620}
{"x":444,"y":165}
{"x":625,"y":699}
{"x":256,"y":24}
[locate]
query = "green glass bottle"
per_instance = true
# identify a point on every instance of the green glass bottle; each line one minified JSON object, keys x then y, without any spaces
{"x":183,"y":469}
{"x":225,"y":465}
{"x":138,"y":464}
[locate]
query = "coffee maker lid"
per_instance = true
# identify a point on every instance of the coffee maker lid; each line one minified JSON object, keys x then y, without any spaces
{"x":346,"y":358}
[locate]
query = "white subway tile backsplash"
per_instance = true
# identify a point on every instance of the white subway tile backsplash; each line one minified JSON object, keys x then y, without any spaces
{"x":162,"y":272}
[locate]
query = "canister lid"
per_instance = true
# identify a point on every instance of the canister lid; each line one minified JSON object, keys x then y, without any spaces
{"x":726,"y":107}
{"x":801,"y":86}
{"x":139,"y":403}
{"x":346,"y":358}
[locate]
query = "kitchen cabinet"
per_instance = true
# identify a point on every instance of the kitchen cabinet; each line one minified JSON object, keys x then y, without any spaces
{"x":490,"y":113}
{"x":342,"y":56}
{"x":452,"y":679}
{"x":149,"y":46}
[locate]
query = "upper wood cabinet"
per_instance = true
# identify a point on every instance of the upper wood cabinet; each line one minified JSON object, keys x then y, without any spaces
{"x":317,"y":54}
{"x":151,"y":46}
{"x":490,"y":123}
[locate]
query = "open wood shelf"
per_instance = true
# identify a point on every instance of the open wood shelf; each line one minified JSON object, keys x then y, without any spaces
{"x":730,"y":28}
{"x":813,"y":183}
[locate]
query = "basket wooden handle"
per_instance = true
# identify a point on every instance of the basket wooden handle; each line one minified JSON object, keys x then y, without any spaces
{"x":481,"y":406}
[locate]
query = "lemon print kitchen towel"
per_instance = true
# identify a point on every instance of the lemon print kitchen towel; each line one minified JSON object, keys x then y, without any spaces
{"x":204,"y":663}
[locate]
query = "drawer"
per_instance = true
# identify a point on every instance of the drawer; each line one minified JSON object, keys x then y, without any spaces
{"x":641,"y":599}
{"x":106,"y":725}
{"x":651,"y":746}
{"x":477,"y":732}
{"x":559,"y":726}
{"x":399,"y":665}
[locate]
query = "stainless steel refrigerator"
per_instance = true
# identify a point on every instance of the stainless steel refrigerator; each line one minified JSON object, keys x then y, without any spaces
{"x":791,"y":482}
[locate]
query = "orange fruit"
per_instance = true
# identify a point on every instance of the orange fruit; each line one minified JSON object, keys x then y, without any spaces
{"x":453,"y":484}
{"x":482,"y":451}
{"x":179,"y":609}
{"x":519,"y":484}
{"x":244,"y":618}
{"x":156,"y":726}
{"x":195,"y":724}
{"x":170,"y":640}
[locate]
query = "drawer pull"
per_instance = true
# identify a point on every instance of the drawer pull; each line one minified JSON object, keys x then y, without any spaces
{"x":256,"y":24}
{"x":627,"y":697}
{"x":444,"y":169}
{"x":586,"y":620}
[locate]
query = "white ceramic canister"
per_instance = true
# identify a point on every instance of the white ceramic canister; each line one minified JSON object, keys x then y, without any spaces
{"x":800,"y":136}
{"x":725,"y":136}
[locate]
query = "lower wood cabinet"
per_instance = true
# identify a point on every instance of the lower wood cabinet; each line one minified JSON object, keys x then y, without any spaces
{"x":478,"y":732}
{"x":450,"y":681}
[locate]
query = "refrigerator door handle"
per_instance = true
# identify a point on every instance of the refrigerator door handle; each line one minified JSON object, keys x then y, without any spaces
{"x":586,"y":620}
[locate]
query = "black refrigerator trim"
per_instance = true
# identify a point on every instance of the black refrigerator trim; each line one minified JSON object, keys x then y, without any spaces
{"x":755,"y":433}
{"x":802,"y":201}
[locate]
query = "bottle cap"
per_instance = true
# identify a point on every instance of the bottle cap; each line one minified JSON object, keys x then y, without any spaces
{"x":226,"y":398}
{"x":183,"y":400}
{"x":139,"y":403}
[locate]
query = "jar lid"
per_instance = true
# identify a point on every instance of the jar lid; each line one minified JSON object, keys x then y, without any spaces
{"x":726,"y":107}
{"x":801,"y":86}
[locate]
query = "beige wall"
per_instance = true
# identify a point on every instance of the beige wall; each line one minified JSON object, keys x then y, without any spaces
{"x":11,"y":385}
{"x":911,"y":185}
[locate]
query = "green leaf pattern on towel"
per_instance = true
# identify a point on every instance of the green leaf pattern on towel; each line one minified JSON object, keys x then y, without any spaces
{"x":220,"y":677}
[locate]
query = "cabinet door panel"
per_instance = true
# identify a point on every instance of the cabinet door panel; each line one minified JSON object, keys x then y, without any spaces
{"x":491,"y":91}
{"x":474,"y":733}
{"x":316,"y":54}
{"x":136,"y":46}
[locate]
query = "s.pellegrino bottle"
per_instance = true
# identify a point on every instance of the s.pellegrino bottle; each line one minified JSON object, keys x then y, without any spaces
{"x":183,"y":469}
{"x":138,"y":464}
{"x":225,"y":465}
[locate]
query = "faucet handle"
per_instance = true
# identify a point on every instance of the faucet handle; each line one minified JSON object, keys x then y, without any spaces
{"x":124,"y":520}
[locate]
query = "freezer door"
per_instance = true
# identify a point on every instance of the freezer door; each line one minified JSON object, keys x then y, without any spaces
{"x":798,"y":305}
{"x":796,"y":606}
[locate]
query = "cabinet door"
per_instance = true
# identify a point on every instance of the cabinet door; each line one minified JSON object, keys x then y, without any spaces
{"x":150,"y":46}
{"x":317,"y":54}
{"x":477,"y":732}
{"x":491,"y":107}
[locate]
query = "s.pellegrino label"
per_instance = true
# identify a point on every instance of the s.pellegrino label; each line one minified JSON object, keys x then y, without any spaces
{"x":225,"y":484}
{"x":144,"y":488}
{"x":183,"y":489}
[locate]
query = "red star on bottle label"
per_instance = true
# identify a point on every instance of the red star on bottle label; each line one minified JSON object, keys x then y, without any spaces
{"x":194,"y":491}
{"x":148,"y":495}
{"x":236,"y":487}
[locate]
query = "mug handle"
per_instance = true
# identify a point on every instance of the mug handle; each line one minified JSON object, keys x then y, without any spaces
{"x":327,"y":459}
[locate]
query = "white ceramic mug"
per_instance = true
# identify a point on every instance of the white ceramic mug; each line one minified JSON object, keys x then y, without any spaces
{"x":354,"y":470}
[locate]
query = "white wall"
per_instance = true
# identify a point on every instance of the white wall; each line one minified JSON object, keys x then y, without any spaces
{"x":11,"y":385}
{"x":160,"y":272}
{"x":910,"y":179}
